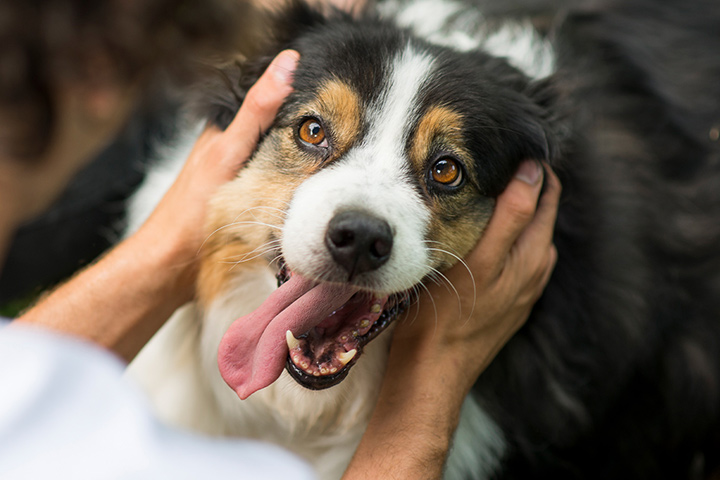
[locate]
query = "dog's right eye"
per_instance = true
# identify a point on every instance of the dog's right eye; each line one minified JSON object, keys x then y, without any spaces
{"x":312,"y":132}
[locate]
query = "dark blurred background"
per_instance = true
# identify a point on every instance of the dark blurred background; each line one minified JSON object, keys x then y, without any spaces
{"x":88,"y":217}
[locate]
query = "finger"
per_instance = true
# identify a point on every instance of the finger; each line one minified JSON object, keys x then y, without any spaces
{"x":543,"y":225}
{"x":540,"y":231}
{"x":209,"y":133}
{"x":514,"y":210}
{"x":262,"y":103}
{"x":544,"y":275}
{"x":551,"y":262}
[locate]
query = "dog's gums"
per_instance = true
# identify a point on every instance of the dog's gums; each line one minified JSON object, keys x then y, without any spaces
{"x":323,"y":356}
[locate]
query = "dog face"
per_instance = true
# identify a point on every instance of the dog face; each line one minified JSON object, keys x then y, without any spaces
{"x":380,"y":171}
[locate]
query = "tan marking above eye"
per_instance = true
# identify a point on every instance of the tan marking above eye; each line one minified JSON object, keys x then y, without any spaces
{"x":312,"y":132}
{"x":340,"y":108}
{"x":446,"y":171}
{"x":439,"y":125}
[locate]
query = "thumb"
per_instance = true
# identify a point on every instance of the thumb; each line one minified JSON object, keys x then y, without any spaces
{"x":514,"y":210}
{"x":262,"y":102}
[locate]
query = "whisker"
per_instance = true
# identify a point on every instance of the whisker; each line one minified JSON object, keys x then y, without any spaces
{"x":432,"y":300}
{"x":262,"y":250}
{"x":415,"y":302}
{"x":253,"y":222}
{"x":472,"y":277}
{"x":275,"y":259}
{"x":451,"y":286}
{"x":244,"y":212}
{"x":265,"y":246}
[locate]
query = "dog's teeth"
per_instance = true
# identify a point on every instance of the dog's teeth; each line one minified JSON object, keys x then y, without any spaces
{"x":345,"y":357}
{"x":324,"y":371}
{"x":292,"y":342}
{"x":364,"y":323}
{"x":376,"y":308}
{"x":333,"y":370}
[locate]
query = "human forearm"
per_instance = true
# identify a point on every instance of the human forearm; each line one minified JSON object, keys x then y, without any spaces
{"x":411,"y":429}
{"x":120,"y":301}
{"x":413,"y":424}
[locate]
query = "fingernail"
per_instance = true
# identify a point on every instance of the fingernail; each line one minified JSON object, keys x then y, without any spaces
{"x":529,"y":172}
{"x":284,"y":65}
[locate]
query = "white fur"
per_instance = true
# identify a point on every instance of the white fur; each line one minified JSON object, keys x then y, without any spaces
{"x":180,"y":373}
{"x":477,"y":447}
{"x":523,"y":47}
{"x":374,"y":177}
{"x":178,"y":367}
{"x":454,"y":25}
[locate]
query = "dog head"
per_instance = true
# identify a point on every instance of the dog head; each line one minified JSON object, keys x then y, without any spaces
{"x":380,"y":171}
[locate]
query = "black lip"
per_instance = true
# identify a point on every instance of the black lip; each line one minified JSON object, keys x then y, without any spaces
{"x":320,"y":382}
{"x":398,"y":303}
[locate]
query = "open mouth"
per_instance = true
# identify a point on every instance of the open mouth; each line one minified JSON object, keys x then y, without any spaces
{"x":323,"y":356}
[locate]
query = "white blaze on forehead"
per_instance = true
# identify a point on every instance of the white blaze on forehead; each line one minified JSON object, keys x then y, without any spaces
{"x":390,"y":117}
{"x":374,"y":177}
{"x":463,"y":28}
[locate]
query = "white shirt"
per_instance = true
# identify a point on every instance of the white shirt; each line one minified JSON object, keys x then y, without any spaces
{"x":67,"y":413}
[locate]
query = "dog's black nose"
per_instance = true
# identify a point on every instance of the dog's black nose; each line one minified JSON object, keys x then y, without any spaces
{"x":358,"y":241}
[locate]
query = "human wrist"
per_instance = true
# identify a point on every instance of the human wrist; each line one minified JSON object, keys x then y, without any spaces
{"x":428,"y":383}
{"x":412,"y":426}
{"x":427,"y":356}
{"x":440,"y":381}
{"x":170,"y":260}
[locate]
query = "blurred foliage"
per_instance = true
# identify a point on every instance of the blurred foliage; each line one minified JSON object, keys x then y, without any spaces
{"x":14,"y":308}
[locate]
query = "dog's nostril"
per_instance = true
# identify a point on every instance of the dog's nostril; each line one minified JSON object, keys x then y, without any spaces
{"x":342,"y":238}
{"x":359,"y":242}
{"x":381,"y":248}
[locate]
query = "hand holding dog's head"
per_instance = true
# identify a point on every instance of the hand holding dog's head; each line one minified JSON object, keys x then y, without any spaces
{"x":383,"y":166}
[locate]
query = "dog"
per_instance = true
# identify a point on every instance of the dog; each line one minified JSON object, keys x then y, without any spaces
{"x":381,"y":170}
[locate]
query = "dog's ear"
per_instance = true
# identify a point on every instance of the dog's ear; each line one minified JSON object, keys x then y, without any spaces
{"x":224,"y":85}
{"x":544,"y":125}
{"x":530,"y":130}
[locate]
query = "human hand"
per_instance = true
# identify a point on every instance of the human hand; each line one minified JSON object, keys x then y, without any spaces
{"x":437,"y":356}
{"x":178,"y":221}
{"x":464,"y":326}
{"x":157,"y":266}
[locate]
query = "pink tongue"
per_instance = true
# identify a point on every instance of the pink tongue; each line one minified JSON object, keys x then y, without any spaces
{"x":252,"y":352}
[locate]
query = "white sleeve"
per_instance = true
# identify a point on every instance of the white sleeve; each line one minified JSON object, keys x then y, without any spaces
{"x":67,"y":413}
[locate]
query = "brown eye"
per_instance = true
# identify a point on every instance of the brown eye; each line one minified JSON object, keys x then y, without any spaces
{"x":447,"y":172}
{"x":312,"y":132}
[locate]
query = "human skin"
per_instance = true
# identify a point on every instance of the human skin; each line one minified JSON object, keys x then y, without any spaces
{"x":121,"y":300}
{"x":436,"y":357}
{"x":167,"y":244}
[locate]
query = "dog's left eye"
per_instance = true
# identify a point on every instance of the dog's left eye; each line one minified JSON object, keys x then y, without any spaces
{"x":312,"y":132}
{"x":447,"y":172}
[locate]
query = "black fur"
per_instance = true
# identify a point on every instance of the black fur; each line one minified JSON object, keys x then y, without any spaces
{"x":617,"y":373}
{"x":629,"y":327}
{"x":506,"y":124}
